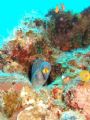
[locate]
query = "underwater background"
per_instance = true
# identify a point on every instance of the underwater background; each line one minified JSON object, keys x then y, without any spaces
{"x":12,"y":12}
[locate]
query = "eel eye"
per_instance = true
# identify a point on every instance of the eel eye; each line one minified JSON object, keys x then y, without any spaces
{"x":45,"y":70}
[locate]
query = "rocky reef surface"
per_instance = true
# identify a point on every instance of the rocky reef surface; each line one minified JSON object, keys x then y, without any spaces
{"x":64,"y":47}
{"x":66,"y":98}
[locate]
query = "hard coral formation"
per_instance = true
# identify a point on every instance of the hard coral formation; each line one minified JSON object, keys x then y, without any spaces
{"x":42,"y":107}
{"x":68,"y":31}
{"x":78,"y":98}
{"x":24,"y":49}
{"x":12,"y":102}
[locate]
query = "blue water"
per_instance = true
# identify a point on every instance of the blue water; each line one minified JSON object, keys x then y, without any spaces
{"x":12,"y":11}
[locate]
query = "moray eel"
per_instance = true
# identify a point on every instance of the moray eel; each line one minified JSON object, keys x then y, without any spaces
{"x":39,"y":73}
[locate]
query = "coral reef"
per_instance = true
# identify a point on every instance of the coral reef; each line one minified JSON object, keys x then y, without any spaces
{"x":72,"y":115}
{"x":68,"y":31}
{"x":78,"y":98}
{"x":12,"y":102}
{"x":52,"y":41}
